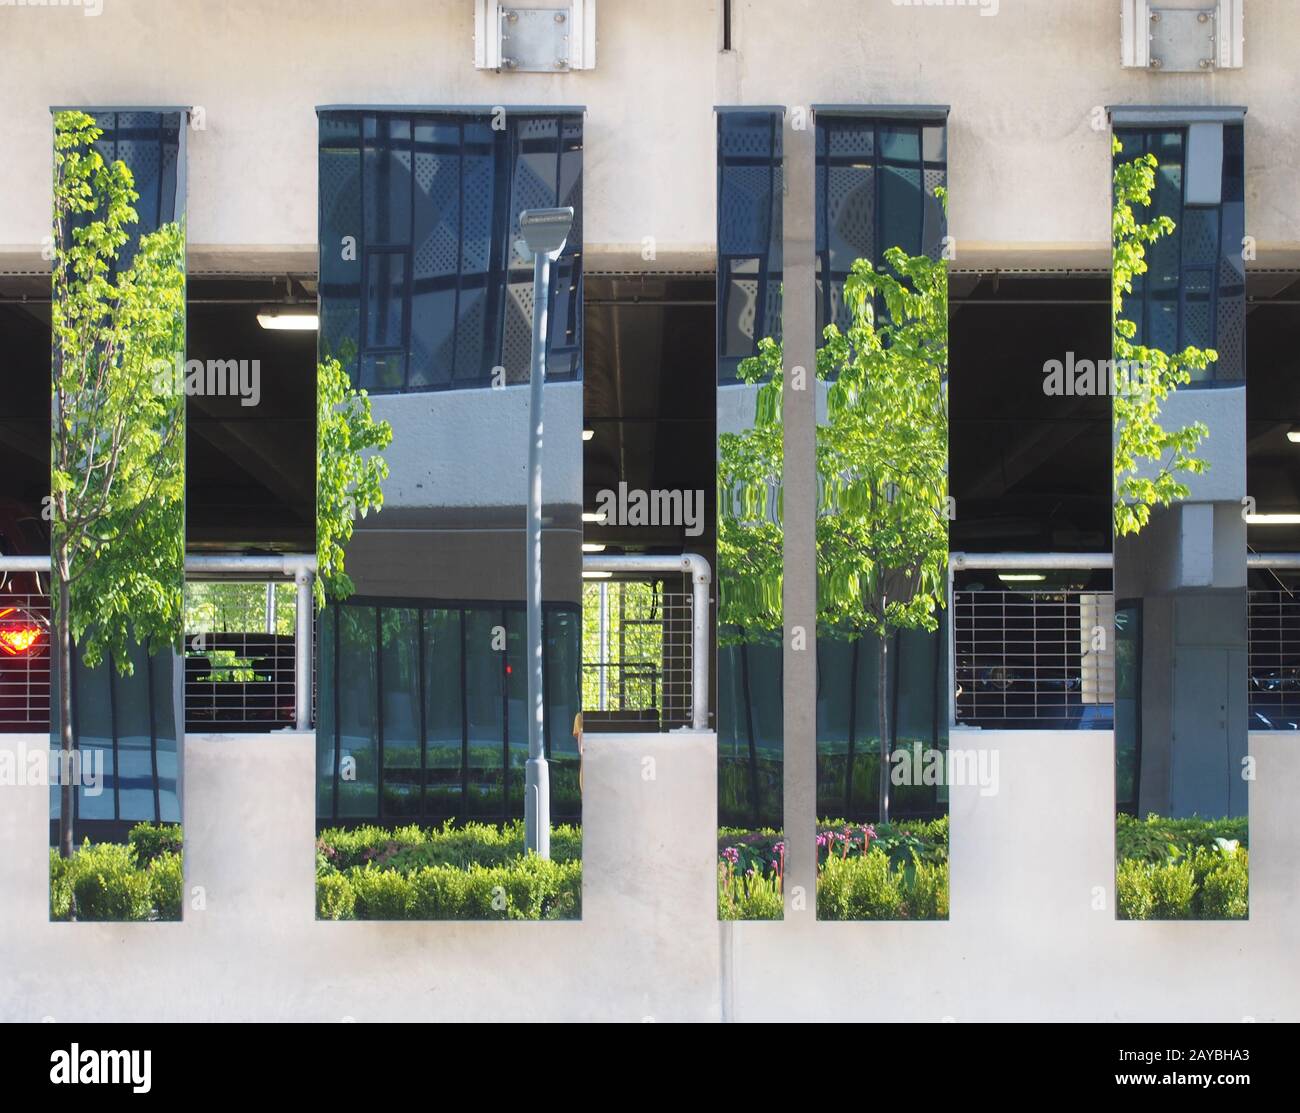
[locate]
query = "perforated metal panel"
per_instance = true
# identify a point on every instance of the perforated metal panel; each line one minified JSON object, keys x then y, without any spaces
{"x":436,"y":296}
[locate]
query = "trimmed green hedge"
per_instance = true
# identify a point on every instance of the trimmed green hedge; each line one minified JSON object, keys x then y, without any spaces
{"x":142,"y":881}
{"x":476,"y":872}
{"x":529,"y":888}
{"x":1182,"y":869}
{"x":411,"y":847}
{"x":1154,"y":838}
{"x":871,"y":887}
{"x":865,"y":871}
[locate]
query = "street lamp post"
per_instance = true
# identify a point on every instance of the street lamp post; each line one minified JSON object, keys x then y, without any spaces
{"x":543,"y":232}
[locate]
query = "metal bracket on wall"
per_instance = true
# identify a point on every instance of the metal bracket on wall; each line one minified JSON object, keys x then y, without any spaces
{"x":1196,"y":38}
{"x":513,"y":38}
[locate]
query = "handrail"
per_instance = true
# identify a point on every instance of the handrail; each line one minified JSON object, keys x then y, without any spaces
{"x":301,"y":567}
{"x":695,"y":566}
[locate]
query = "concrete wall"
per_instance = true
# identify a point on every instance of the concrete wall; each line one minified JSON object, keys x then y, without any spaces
{"x":469,"y":448}
{"x":1023,"y":941}
{"x":1029,"y":172}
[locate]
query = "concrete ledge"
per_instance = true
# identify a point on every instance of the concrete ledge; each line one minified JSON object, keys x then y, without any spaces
{"x":1024,"y":940}
{"x":647,"y":945}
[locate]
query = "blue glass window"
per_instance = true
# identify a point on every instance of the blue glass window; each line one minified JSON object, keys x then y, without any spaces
{"x":876,"y":182}
{"x":750,"y":234}
{"x":1194,"y":291}
{"x":422,"y":286}
{"x":432,"y":713}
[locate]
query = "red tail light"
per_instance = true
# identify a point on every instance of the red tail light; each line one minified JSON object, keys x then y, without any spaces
{"x":18,"y":634}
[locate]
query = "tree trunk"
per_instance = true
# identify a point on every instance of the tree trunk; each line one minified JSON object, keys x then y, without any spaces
{"x":67,"y":790}
{"x":882,"y":698}
{"x":853,"y":729}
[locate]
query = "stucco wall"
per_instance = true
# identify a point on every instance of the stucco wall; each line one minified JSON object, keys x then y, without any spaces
{"x":1029,"y":173}
{"x":1024,"y":940}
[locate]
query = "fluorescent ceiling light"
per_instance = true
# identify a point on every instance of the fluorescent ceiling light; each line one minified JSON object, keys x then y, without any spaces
{"x":288,"y":317}
{"x":1273,"y":519}
{"x":587,"y":434}
{"x":1021,"y":577}
{"x":589,"y":516}
{"x":596,"y":575}
{"x":1293,"y":435}
{"x":591,"y":547}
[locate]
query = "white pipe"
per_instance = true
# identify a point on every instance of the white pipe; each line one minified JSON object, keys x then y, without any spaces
{"x":1034,"y":562}
{"x":283,"y":564}
{"x":303,"y":651}
{"x":1273,"y":560}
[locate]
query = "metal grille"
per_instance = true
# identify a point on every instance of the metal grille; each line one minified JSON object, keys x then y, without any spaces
{"x":636,"y":655}
{"x":1034,"y":659}
{"x":239,"y":682}
{"x":1274,"y":659}
{"x":24,"y":663}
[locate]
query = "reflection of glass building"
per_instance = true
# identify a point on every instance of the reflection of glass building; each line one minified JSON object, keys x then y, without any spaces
{"x":1180,"y":583}
{"x":422,"y":719}
{"x":131,"y":720}
{"x":427,"y":301}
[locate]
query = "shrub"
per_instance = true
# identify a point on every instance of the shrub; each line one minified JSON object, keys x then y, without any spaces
{"x":150,"y":841}
{"x":1193,"y":882}
{"x":1225,"y":891}
{"x":60,"y":886}
{"x":1156,"y":838}
{"x":1173,"y":885}
{"x":380,"y":894}
{"x":1134,"y":897}
{"x":529,"y":888}
{"x":335,"y":899}
{"x":926,"y":895}
{"x":748,"y":896}
{"x":862,"y":888}
{"x":411,"y":848}
{"x":106,"y":884}
{"x":167,"y":884}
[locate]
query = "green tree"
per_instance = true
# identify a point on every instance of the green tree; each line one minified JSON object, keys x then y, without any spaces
{"x":350,"y":472}
{"x":116,"y":509}
{"x":882,"y":465}
{"x":750,"y":534}
{"x":1145,"y":376}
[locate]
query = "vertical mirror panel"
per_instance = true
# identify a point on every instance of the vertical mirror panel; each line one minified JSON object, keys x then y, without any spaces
{"x":109,"y":611}
{"x":882,"y":521}
{"x":750,"y":432}
{"x":449,"y":515}
{"x":1273,"y":480}
{"x":1180,"y":516}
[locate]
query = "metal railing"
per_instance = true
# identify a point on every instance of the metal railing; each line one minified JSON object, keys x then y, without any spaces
{"x":1031,"y":657}
{"x":651,"y":668}
{"x":674,"y":683}
{"x":24,"y":663}
{"x":1273,"y":626}
{"x":240,"y":682}
{"x":640,"y":676}
{"x":33,"y":676}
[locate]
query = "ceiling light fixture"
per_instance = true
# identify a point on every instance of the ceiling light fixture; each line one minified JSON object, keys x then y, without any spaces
{"x":1273,"y":519}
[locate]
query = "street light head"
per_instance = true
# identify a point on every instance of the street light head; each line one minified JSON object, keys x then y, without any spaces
{"x":545,"y":230}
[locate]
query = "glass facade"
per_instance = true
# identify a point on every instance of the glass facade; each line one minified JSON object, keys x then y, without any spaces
{"x":1194,"y":290}
{"x":420,"y":711}
{"x":131,"y":720}
{"x":750,"y":153}
{"x":421,"y":284}
{"x":875,"y":189}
